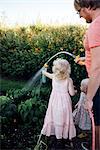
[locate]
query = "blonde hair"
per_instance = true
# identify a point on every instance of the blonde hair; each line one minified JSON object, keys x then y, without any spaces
{"x":61,"y":68}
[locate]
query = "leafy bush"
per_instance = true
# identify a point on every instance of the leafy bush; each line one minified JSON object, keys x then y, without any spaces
{"x":32,"y":111}
{"x":8,"y":109}
{"x":25,"y":50}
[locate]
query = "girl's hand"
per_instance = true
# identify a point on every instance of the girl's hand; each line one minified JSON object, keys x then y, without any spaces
{"x":43,"y":71}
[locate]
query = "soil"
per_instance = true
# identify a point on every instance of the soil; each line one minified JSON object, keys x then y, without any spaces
{"x":20,"y":139}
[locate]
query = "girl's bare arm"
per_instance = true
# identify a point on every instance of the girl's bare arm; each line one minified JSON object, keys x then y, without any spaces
{"x":47,"y":74}
{"x":71,"y":87}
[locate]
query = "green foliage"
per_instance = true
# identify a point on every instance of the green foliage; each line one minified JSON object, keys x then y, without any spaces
{"x":31,"y":105}
{"x":32,"y":110}
{"x":8,"y":109}
{"x":18,"y":95}
{"x":25,"y":110}
{"x":25,"y":50}
{"x":4,"y":101}
{"x":7,"y":84}
{"x":17,"y":56}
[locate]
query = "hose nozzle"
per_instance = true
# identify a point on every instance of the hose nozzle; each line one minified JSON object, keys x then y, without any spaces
{"x":45,"y":65}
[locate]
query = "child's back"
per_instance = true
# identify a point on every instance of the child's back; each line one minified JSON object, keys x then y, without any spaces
{"x":59,"y":120}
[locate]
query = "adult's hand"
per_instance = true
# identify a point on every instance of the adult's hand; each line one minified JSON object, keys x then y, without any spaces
{"x":80,"y":60}
{"x":88,"y":105}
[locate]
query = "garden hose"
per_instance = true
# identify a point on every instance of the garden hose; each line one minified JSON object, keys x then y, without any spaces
{"x":40,"y":143}
{"x":93,"y":133}
{"x":93,"y":130}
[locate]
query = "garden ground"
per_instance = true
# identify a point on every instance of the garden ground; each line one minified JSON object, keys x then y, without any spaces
{"x":21,"y":139}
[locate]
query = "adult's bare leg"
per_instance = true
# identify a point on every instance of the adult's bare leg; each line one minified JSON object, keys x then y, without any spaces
{"x":97,"y":137}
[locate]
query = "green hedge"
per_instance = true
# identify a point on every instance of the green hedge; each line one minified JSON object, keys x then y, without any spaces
{"x":25,"y":50}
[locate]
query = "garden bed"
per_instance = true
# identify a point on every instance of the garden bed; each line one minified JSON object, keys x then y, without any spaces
{"x":18,"y":138}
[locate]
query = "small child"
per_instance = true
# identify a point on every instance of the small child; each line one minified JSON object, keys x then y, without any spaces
{"x":59,"y":119}
{"x":80,"y":114}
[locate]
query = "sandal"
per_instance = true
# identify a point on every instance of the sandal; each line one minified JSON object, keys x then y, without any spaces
{"x":82,"y":135}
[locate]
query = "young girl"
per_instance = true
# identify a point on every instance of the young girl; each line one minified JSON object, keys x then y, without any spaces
{"x":59,"y":120}
{"x":81,"y":115}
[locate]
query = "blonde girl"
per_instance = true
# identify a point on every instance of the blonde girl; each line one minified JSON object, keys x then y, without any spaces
{"x":59,"y":120}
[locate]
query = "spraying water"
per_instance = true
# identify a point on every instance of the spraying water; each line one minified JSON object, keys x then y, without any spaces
{"x":33,"y":80}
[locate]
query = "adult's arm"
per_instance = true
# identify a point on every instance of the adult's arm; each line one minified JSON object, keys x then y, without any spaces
{"x":94,"y":79}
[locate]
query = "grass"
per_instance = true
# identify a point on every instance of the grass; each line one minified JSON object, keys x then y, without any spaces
{"x":7,"y":84}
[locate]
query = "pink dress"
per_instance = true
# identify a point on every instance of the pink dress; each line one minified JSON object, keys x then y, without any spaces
{"x":59,"y":120}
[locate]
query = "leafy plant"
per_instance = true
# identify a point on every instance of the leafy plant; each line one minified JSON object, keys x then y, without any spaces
{"x":8,"y":109}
